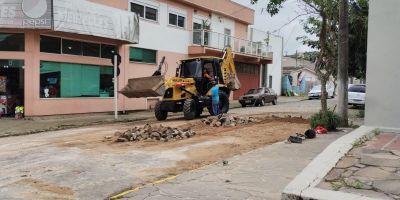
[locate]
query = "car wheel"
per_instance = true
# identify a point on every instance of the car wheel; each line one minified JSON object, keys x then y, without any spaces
{"x":274,"y":102}
{"x":262,"y":102}
{"x":243,"y":105}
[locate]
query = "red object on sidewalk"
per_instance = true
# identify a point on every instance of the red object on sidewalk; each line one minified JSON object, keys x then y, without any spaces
{"x":321,"y":130}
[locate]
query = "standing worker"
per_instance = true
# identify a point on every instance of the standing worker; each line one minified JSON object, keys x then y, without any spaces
{"x":215,"y":98}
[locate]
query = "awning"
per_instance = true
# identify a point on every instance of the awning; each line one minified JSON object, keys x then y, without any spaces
{"x":72,"y":16}
{"x":87,"y":18}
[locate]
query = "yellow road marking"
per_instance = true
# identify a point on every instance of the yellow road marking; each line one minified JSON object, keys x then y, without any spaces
{"x":164,"y":180}
{"x":138,"y":188}
{"x":125,"y":193}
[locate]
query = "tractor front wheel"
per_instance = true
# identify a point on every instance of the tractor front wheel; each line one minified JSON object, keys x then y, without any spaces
{"x":189,"y":109}
{"x":160,"y":114}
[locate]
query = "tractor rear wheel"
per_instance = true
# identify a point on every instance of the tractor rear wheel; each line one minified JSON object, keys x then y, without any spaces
{"x":223,"y":103}
{"x":189,"y":109}
{"x":160,"y":114}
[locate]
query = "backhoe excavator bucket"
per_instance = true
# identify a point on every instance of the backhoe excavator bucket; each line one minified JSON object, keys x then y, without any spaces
{"x":152,"y":86}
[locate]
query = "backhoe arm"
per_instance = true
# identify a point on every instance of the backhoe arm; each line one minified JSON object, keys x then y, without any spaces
{"x":228,"y":69}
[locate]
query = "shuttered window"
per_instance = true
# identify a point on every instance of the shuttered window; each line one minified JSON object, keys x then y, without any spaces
{"x":143,"y":55}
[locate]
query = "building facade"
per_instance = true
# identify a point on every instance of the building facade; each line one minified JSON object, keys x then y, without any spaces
{"x":270,"y":73}
{"x":382,"y":107}
{"x":54,"y":70}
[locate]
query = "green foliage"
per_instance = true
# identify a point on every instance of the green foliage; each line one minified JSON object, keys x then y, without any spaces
{"x":273,"y":6}
{"x":358,"y":35}
{"x":358,"y":28}
{"x":329,"y":120}
{"x":311,"y":56}
{"x":360,"y":114}
{"x":336,"y":185}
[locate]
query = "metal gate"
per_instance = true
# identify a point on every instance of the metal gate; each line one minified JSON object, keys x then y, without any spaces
{"x":249,"y":77}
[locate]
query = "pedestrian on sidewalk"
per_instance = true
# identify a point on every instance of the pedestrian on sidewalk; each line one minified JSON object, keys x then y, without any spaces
{"x":215,"y":98}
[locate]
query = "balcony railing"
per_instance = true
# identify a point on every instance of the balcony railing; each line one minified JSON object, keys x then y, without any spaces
{"x":216,"y":40}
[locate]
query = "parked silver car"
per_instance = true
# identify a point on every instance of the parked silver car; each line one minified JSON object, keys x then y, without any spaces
{"x":315,"y":92}
{"x":356,"y":94}
{"x":259,"y":97}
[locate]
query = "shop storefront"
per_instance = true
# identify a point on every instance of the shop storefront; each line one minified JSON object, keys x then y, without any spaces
{"x":55,"y":59}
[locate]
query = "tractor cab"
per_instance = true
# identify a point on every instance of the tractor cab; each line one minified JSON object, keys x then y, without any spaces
{"x":204,"y":71}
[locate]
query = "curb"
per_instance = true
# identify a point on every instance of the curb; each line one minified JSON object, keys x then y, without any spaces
{"x":304,"y":185}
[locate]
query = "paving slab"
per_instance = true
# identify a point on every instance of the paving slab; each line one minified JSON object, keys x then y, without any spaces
{"x":385,"y":141}
{"x":383,"y":160}
{"x":374,"y":175}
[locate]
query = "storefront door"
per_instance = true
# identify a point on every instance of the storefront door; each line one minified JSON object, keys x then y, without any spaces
{"x":11,"y":86}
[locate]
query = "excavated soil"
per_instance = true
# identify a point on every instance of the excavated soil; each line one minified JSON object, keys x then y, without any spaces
{"x":104,"y":163}
{"x":244,"y":138}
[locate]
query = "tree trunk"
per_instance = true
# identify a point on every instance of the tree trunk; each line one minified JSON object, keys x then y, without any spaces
{"x":343,"y":62}
{"x":324,"y":102}
{"x":335,"y":86}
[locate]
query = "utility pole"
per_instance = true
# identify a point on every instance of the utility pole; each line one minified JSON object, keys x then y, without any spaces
{"x":116,"y":61}
{"x":343,"y":62}
{"x":115,"y":87}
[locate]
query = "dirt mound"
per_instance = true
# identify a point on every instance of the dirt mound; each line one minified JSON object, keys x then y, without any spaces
{"x":148,"y":132}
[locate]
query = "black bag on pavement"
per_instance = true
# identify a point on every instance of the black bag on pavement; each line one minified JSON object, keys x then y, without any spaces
{"x":310,"y":134}
{"x":295,"y":139}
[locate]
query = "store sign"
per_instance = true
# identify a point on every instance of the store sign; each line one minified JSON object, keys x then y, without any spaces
{"x":84,"y":17}
{"x":73,"y":16}
{"x":26,"y":14}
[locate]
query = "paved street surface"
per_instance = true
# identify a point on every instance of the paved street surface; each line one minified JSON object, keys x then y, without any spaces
{"x":300,"y":106}
{"x":261,"y":174}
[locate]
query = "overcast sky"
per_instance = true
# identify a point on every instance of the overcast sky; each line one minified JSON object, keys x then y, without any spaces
{"x":263,"y":21}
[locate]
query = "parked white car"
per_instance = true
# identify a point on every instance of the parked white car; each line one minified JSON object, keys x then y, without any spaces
{"x":315,"y":92}
{"x":356,"y":94}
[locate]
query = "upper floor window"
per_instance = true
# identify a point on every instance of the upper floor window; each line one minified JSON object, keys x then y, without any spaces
{"x":143,"y":55}
{"x":177,"y":20}
{"x":58,"y":45}
{"x":12,"y":42}
{"x":50,"y":44}
{"x":146,"y":12}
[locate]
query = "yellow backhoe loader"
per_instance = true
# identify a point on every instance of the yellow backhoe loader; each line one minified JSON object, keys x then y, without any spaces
{"x":189,"y":91}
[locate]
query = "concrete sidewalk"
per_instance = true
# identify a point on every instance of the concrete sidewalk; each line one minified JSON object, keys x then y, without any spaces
{"x":260,"y":174}
{"x":12,"y":127}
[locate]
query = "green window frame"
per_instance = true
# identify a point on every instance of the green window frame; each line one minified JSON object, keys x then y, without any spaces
{"x":143,"y":55}
{"x":70,"y":80}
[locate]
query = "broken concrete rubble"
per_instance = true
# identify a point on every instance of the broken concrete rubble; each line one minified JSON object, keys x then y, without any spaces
{"x":148,"y":132}
{"x":227,"y":120}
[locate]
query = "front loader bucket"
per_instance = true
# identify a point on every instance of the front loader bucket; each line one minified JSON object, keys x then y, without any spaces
{"x":152,"y":86}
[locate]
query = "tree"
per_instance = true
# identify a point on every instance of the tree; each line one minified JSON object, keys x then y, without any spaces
{"x":343,"y":62}
{"x":358,"y":37}
{"x":311,"y":56}
{"x":322,"y":22}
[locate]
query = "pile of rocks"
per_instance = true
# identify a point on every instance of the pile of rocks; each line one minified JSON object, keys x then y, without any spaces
{"x":149,"y":132}
{"x":227,"y":120}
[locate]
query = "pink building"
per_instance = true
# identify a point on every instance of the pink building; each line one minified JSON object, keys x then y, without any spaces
{"x":55,"y":55}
